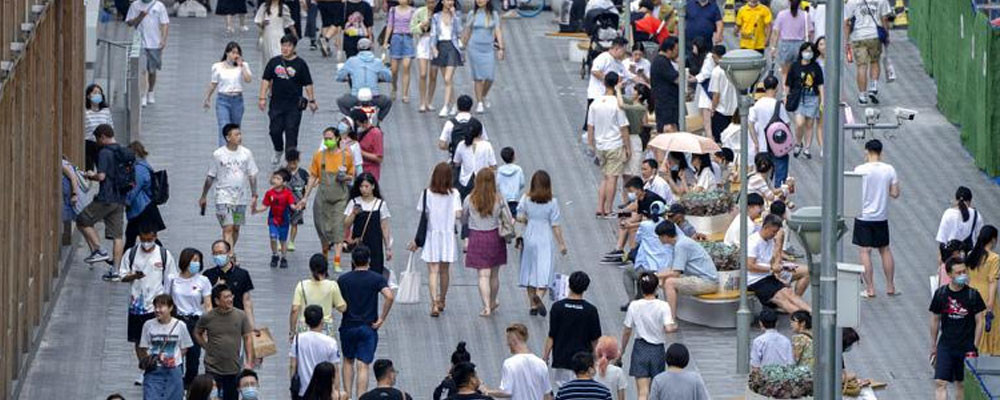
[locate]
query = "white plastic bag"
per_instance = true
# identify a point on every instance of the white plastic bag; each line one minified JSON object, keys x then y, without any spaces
{"x":409,"y":284}
{"x":559,"y":288}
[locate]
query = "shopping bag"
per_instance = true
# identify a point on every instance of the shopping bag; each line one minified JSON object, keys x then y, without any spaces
{"x":263,"y":345}
{"x":409,"y":284}
{"x":559,"y":288}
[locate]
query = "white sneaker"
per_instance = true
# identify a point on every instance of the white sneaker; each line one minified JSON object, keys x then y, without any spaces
{"x":487,"y":103}
{"x":890,"y":73}
{"x":245,"y":28}
{"x":454,"y":111}
{"x":480,"y":108}
{"x":444,"y":112}
{"x":139,"y":379}
{"x":142,"y":100}
{"x":150,"y":98}
{"x":276,"y":158}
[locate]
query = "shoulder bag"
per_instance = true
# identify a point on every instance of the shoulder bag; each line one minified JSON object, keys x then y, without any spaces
{"x":506,"y":223}
{"x":351,"y":243}
{"x":421,"y":237}
{"x":296,"y":384}
{"x":151,"y":361}
{"x":883,"y":34}
{"x":970,"y":240}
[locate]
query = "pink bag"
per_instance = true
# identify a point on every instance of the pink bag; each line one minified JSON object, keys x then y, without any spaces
{"x":943,"y":278}
{"x":779,"y":135}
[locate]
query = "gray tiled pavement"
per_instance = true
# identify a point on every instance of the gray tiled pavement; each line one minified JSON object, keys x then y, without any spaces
{"x":537,"y":105}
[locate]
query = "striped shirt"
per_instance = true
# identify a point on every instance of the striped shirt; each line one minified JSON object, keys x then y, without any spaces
{"x":91,"y":119}
{"x":583,"y":389}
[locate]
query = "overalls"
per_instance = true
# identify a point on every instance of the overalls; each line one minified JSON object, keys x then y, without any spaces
{"x":330,"y":203}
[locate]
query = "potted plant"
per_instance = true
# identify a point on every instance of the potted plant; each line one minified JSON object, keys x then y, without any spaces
{"x":727,"y":263}
{"x":780,"y":382}
{"x":710,"y":211}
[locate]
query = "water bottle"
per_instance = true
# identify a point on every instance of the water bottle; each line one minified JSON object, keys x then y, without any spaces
{"x":989,"y":320}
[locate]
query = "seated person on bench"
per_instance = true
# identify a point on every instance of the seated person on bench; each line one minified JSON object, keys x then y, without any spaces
{"x":798,"y":273}
{"x":633,"y":214}
{"x":755,"y":208}
{"x":650,"y":255}
{"x":691,"y":272}
{"x":763,"y":266}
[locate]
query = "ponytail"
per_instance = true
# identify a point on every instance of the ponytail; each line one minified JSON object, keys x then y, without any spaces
{"x":963,"y":196}
{"x":794,"y":9}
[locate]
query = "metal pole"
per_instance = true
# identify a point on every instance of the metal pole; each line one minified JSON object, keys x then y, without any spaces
{"x":743,"y":313}
{"x":826,"y":362}
{"x":681,"y":66}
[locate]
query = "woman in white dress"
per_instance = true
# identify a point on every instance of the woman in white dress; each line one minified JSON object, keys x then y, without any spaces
{"x":443,"y":208}
{"x":272,"y":18}
{"x":960,"y":222}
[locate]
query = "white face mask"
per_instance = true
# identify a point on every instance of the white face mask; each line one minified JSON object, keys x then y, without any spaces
{"x":147,"y":245}
{"x":807,"y":55}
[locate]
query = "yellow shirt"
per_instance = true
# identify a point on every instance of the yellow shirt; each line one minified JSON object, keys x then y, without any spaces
{"x":334,"y":160}
{"x":325,"y":293}
{"x":752,"y":23}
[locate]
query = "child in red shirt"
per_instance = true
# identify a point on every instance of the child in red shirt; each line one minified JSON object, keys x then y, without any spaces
{"x":281,"y":201}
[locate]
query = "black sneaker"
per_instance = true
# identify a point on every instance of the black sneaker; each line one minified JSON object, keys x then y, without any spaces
{"x":283,"y":264}
{"x":312,"y":45}
{"x":617,"y":262}
{"x":111,"y":276}
{"x":542,"y":311}
{"x":97,"y":256}
{"x":797,"y":151}
{"x":615,"y":252}
{"x":624,"y":307}
{"x":274,"y":261}
{"x":873,"y":96}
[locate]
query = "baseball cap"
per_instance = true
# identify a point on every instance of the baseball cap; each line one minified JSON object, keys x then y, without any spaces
{"x":365,"y":44}
{"x":676,"y":208}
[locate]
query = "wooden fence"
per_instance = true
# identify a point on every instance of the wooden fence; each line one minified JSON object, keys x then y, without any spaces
{"x":41,"y":120}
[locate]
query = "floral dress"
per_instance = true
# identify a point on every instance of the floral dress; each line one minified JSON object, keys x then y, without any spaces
{"x":802,"y":349}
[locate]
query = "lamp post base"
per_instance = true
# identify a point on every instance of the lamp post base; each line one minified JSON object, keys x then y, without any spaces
{"x":743,"y":318}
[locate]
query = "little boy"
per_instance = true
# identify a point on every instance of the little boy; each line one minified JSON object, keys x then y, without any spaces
{"x":297,"y":183}
{"x":281,"y":201}
{"x":510,"y":179}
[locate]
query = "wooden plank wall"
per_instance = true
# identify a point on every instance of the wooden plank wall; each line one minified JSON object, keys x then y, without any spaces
{"x":41,"y":120}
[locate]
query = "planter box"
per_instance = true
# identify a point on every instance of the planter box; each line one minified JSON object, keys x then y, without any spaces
{"x":713,"y":224}
{"x":754,"y":396}
{"x":729,"y":280}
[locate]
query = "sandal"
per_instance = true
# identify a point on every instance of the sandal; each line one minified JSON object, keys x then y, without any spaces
{"x":435,"y":311}
{"x":866,"y":295}
{"x":485,"y":312}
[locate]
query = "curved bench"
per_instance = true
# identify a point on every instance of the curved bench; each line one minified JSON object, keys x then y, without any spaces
{"x":714,"y":310}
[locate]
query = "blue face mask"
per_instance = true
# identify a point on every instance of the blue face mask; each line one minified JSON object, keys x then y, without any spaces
{"x":343,"y":128}
{"x":97,"y":98}
{"x":962,"y":280}
{"x":194,"y":267}
{"x":249,"y":393}
{"x":220,"y":259}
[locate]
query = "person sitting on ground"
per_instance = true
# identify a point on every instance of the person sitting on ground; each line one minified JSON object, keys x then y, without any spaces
{"x":771,"y":348}
{"x":764,"y":265}
{"x":675,"y":382}
{"x":802,"y":341}
{"x":364,"y":71}
{"x":755,"y":208}
{"x":638,"y":208}
{"x":691,"y":272}
{"x":584,"y":386}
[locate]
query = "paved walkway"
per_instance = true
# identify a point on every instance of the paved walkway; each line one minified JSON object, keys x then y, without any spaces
{"x":537,"y":106}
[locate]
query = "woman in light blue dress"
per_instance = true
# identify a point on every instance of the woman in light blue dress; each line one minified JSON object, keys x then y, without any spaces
{"x":539,"y":211}
{"x":481,"y":36}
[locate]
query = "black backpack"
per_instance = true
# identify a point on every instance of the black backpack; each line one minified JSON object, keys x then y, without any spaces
{"x":122,"y":177}
{"x":159,"y":186}
{"x":459,"y":130}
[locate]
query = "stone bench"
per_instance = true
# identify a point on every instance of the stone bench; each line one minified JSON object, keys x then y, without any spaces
{"x":714,"y":310}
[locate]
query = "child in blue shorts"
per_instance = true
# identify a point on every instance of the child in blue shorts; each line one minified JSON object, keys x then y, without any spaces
{"x":281,"y":201}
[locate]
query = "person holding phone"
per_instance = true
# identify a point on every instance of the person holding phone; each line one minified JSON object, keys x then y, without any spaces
{"x":228,"y":77}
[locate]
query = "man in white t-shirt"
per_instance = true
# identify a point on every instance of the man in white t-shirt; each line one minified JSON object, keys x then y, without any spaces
{"x":151,"y":19}
{"x":608,"y":138}
{"x":862,"y":18}
{"x":234,"y":170}
{"x":459,"y":122}
{"x":871,"y":228}
{"x":608,"y":61}
{"x":755,"y":207}
{"x":311,"y":348}
{"x":524,"y":376}
{"x":758,"y":119}
{"x":723,"y":94}
{"x":147,"y":268}
{"x":764,"y":264}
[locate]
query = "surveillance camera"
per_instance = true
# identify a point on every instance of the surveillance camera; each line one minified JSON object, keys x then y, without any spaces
{"x":906,"y":113}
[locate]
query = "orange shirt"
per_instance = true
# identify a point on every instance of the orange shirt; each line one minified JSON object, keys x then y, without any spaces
{"x":649,"y":24}
{"x":334,"y":160}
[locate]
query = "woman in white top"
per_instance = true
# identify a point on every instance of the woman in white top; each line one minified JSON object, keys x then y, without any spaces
{"x":192,"y":293}
{"x":167,"y":340}
{"x":97,"y":113}
{"x":272,"y":18}
{"x":608,"y":374}
{"x":705,"y":173}
{"x":443,"y":207}
{"x":960,"y":222}
{"x":702,"y":97}
{"x":473,"y":154}
{"x":228,"y":76}
{"x":759,"y":181}
{"x":652,"y":320}
{"x":366,"y":218}
{"x":317,"y":290}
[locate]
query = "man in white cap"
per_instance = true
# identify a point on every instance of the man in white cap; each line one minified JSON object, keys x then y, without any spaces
{"x":364,"y":71}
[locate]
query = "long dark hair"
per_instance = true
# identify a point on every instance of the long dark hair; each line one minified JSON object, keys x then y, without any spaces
{"x":978,"y":253}
{"x":201,"y":388}
{"x":321,"y":384}
{"x":706,"y":162}
{"x":229,"y":47}
{"x":794,"y":6}
{"x":86,"y":96}
{"x":645,"y":96}
{"x":267,"y":3}
{"x":475,"y":131}
{"x":365,"y":177}
{"x":806,"y":46}
{"x":682,"y":164}
{"x":963,"y":196}
{"x":696,"y":59}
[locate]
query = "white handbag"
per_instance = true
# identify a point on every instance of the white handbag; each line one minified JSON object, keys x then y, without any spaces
{"x":409,"y":284}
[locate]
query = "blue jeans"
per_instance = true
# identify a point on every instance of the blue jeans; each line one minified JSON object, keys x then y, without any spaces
{"x":228,"y":110}
{"x":780,"y":169}
{"x":163,"y":384}
{"x":311,"y":20}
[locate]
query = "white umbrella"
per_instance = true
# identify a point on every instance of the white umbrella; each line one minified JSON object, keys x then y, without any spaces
{"x":684,"y":142}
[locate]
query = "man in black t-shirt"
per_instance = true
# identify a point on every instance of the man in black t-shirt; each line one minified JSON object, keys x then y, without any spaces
{"x":359,"y":328}
{"x":227,"y":272}
{"x":574,"y":326}
{"x":955,"y":314}
{"x":385,"y":379}
{"x":284,"y":78}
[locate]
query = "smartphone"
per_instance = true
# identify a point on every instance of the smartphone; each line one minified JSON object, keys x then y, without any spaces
{"x":202,"y":210}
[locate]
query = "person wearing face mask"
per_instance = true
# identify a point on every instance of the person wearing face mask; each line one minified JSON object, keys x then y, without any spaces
{"x":191,"y":292}
{"x":147,"y":268}
{"x":96,"y":113}
{"x":955,"y":328}
{"x":249,"y":385}
{"x":331,"y":170}
{"x":640,"y":206}
{"x":227,"y":271}
{"x":804,"y":89}
{"x":984,"y":266}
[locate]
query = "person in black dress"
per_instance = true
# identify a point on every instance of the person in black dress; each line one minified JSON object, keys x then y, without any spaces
{"x":229,"y":8}
{"x":663,"y":77}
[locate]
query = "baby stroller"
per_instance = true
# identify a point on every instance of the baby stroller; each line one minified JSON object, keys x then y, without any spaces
{"x":602,"y":26}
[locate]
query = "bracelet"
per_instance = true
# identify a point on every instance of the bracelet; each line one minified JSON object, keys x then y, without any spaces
{"x":262,"y":98}
{"x":312,"y":100}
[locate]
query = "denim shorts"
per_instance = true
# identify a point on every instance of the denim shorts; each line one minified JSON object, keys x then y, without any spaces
{"x":809,"y":106}
{"x":788,"y":51}
{"x":401,"y":46}
{"x":359,"y":343}
{"x":278,"y":232}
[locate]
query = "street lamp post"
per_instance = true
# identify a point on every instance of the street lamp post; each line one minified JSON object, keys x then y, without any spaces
{"x":743,"y":68}
{"x":681,"y":7}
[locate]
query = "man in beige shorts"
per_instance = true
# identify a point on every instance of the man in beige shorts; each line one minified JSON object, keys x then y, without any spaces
{"x":862,"y":19}
{"x":607,"y":136}
{"x":691,"y":272}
